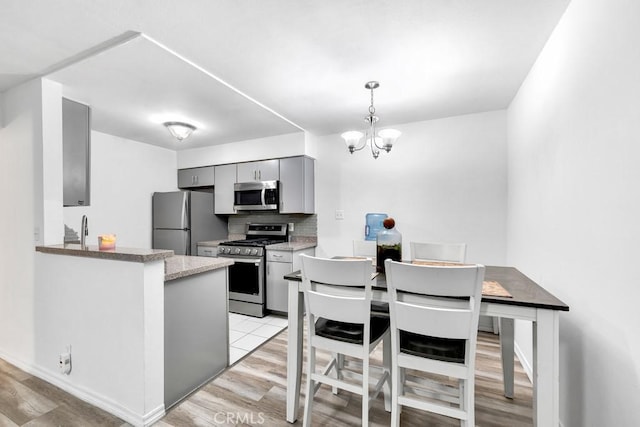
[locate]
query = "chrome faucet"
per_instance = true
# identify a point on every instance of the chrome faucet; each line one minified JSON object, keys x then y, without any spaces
{"x":84,"y":232}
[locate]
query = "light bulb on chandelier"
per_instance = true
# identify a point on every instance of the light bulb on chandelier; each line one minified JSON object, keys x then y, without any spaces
{"x":384,"y":139}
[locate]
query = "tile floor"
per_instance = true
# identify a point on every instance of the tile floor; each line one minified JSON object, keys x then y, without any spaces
{"x":247,"y":333}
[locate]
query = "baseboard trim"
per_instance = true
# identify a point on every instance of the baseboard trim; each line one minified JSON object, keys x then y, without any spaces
{"x":526,"y":365}
{"x":89,"y":396}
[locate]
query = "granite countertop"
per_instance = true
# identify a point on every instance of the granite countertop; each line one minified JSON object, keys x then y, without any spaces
{"x":292,"y":246}
{"x":179,"y":266}
{"x":212,"y":243}
{"x":118,"y":254}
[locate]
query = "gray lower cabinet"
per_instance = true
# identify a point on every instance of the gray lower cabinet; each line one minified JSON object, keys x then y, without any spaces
{"x":279,"y":264}
{"x":196,"y":332}
{"x":76,"y":143}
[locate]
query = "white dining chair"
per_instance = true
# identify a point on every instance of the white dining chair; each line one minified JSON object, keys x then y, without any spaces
{"x":365,"y":248}
{"x":432,"y":251}
{"x":434,"y":326}
{"x":337,"y":296}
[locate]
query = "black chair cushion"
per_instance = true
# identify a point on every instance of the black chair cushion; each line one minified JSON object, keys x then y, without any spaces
{"x":380,"y":308}
{"x":351,"y":332}
{"x":445,"y":349}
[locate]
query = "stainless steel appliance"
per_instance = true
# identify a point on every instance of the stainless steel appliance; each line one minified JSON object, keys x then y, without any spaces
{"x":247,"y":291}
{"x":181,"y":219}
{"x":255,"y":196}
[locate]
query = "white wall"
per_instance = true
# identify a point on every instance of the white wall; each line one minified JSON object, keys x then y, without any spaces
{"x":20,"y":149}
{"x":574,"y":204}
{"x":124,"y":175}
{"x":445,"y":180}
{"x":288,"y":145}
{"x":30,"y":155}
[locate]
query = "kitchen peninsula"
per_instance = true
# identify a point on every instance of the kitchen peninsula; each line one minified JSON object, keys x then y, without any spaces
{"x":131,"y":319}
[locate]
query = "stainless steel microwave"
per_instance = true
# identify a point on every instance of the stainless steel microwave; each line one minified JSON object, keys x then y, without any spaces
{"x":256,"y":196}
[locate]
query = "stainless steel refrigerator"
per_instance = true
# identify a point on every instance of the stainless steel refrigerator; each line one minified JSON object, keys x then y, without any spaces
{"x":181,"y":219}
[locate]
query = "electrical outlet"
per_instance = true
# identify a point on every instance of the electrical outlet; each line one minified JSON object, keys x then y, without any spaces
{"x":339,"y":214}
{"x":65,"y":361}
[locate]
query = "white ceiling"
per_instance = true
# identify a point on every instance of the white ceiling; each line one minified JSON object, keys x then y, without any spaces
{"x":243,"y":69}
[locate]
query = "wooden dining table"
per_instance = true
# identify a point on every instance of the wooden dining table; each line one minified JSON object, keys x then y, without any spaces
{"x":528,"y":301}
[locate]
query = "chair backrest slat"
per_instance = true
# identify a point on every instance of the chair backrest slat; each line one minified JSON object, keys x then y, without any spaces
{"x":434,"y":321}
{"x":451,"y":252}
{"x":365,"y":248}
{"x":340,"y":308}
{"x":343,"y":272}
{"x":444,"y":281}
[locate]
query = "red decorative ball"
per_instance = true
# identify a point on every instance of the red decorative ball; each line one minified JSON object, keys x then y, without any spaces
{"x":389,"y":223}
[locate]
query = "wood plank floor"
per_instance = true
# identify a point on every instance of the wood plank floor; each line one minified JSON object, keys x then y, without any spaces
{"x":252,"y":392}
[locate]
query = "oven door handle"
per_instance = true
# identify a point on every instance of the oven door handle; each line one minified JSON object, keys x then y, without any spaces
{"x":262,"y":196}
{"x":256,"y":261}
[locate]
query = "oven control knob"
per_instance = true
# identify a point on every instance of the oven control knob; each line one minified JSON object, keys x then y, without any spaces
{"x":236,"y":251}
{"x":254,"y":252}
{"x":220,"y":250}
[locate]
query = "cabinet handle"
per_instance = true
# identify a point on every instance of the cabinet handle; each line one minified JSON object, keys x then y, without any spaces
{"x":259,"y":174}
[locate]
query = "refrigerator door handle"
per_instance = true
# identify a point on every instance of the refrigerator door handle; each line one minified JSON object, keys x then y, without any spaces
{"x":185,"y":211}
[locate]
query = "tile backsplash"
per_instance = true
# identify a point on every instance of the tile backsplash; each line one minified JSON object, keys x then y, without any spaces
{"x":305,"y":226}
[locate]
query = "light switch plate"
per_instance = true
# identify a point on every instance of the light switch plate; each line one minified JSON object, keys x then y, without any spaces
{"x":339,"y":214}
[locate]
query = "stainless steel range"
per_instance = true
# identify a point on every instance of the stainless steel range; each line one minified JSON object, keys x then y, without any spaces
{"x":247,"y":275}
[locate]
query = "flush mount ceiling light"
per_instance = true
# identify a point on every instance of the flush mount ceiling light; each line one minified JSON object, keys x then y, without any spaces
{"x":180,"y":130}
{"x":384,"y":140}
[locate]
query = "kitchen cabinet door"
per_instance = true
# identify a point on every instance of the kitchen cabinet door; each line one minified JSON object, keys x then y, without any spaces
{"x":279,"y":264}
{"x":225,"y":177}
{"x":263,"y":170}
{"x":196,"y":177}
{"x":277,"y":287}
{"x":76,"y":142}
{"x":297,"y":185}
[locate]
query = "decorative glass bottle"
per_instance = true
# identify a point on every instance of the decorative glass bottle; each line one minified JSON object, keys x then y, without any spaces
{"x":388,"y":244}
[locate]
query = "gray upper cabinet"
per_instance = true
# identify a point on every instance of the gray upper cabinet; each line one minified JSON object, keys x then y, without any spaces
{"x":76,"y":155}
{"x":196,"y":177}
{"x":297,"y":185}
{"x":263,"y":170}
{"x":225,"y":176}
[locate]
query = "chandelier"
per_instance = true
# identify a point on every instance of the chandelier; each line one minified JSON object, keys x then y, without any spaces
{"x":384,"y":139}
